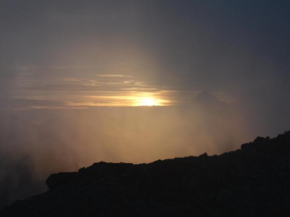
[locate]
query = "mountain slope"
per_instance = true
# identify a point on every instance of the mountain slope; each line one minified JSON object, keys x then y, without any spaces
{"x":252,"y":181}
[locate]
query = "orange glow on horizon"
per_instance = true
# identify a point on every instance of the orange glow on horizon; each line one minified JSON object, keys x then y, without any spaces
{"x":149,"y":101}
{"x":130,"y":100}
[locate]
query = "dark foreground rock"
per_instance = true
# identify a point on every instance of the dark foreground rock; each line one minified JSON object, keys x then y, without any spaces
{"x":253,"y":181}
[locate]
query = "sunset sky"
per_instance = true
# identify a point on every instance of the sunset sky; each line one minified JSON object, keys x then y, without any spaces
{"x":79,"y":54}
{"x":83,"y":81}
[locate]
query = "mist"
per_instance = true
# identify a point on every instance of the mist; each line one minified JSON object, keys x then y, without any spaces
{"x":38,"y":142}
{"x":72,"y":73}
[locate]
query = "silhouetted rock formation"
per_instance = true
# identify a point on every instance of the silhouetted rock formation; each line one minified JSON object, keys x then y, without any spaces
{"x":253,"y":181}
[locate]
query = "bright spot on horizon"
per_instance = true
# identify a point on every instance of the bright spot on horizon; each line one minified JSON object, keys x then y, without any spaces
{"x":148,"y":102}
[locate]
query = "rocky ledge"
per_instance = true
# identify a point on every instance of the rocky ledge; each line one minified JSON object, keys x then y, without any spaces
{"x":252,"y":181}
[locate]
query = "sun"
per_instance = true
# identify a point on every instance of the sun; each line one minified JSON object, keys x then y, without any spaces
{"x":148,"y":102}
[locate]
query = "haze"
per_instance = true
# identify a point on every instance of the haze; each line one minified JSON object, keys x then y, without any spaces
{"x":135,"y":81}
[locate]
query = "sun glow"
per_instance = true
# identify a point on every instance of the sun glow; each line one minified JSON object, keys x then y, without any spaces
{"x":148,"y":102}
{"x":132,"y":99}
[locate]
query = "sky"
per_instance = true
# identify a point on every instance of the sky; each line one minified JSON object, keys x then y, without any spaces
{"x":108,"y":53}
{"x":135,"y":81}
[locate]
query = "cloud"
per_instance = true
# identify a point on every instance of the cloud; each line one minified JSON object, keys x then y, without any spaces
{"x":114,"y":76}
{"x":18,"y":104}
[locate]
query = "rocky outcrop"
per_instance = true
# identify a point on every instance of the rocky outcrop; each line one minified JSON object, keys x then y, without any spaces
{"x":252,"y":181}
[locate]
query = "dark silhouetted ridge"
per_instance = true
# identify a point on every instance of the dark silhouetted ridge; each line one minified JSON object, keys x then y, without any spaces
{"x":252,"y":181}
